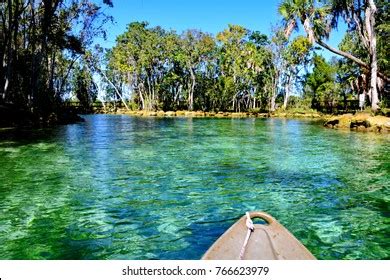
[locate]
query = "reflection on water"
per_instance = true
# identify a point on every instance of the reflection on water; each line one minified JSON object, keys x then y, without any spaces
{"x":118,"y":187}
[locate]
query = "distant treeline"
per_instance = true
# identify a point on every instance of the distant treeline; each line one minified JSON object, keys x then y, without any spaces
{"x":48,"y":57}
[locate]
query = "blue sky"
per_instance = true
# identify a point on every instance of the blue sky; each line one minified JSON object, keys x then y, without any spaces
{"x":207,"y":15}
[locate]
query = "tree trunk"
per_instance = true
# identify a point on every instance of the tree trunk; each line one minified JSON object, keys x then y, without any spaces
{"x":309,"y":30}
{"x":65,"y":78}
{"x":286,"y":92}
{"x":191,"y":90}
{"x":370,"y":24}
{"x":52,"y":70}
{"x":100,"y":95}
{"x":141,"y":97}
{"x":9,"y":56}
{"x":115,"y":88}
{"x":273,"y":100}
{"x":273,"y":94}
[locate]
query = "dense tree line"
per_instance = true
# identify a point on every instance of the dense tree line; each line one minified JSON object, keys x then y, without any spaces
{"x":193,"y":70}
{"x":48,"y":57}
{"x":239,"y":69}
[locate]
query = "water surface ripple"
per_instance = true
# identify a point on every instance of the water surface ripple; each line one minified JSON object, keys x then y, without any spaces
{"x":120,"y":187}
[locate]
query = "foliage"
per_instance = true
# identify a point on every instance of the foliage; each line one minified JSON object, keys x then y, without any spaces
{"x":40,"y":44}
{"x":193,"y":70}
{"x":48,"y":56}
{"x":84,"y":88}
{"x":320,"y":17}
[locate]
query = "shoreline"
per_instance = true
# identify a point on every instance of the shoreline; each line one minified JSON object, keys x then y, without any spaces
{"x":202,"y":114}
{"x":360,"y":121}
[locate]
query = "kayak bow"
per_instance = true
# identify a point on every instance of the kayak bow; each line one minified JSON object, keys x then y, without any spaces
{"x":266,"y":241}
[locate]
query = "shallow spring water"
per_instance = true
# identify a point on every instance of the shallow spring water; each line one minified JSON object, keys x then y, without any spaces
{"x":120,"y":187}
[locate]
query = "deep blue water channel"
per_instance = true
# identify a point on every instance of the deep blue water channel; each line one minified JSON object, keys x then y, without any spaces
{"x":121,"y":187}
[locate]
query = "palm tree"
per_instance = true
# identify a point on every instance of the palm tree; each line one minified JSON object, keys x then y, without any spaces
{"x":294,"y":11}
{"x":318,"y":20}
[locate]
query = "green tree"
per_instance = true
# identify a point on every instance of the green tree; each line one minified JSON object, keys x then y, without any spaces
{"x":197,"y":48}
{"x":296,"y":55}
{"x":277,"y":48}
{"x":41,"y":42}
{"x":241,"y":60}
{"x":84,"y":88}
{"x":319,"y":17}
{"x":320,"y":82}
{"x":143,"y":57}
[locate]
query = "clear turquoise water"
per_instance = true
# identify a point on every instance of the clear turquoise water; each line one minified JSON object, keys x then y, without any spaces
{"x":120,"y":187}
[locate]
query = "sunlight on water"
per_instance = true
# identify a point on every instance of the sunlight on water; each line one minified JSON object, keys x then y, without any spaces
{"x":119,"y":187}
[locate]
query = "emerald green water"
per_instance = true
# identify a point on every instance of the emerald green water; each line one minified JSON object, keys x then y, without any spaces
{"x":120,"y":187}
